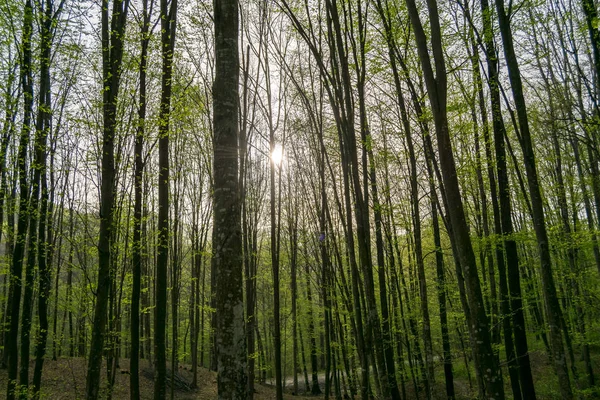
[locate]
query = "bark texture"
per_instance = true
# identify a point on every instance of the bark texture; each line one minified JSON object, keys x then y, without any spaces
{"x":227,"y":239}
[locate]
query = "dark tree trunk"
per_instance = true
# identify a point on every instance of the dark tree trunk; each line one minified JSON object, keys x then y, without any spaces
{"x":168,"y":24}
{"x":45,"y":217}
{"x":591,"y":19}
{"x":437,"y":91}
{"x":274,"y":207}
{"x":441,"y":283}
{"x":505,"y":320}
{"x":315,"y":388}
{"x":248,"y":233}
{"x":194,"y":306}
{"x":146,"y":280}
{"x":112,"y":55}
{"x":555,"y":317}
{"x":175,"y":272}
{"x":38,"y":206}
{"x":134,"y":366}
{"x":227,"y":242}
{"x":294,"y":289}
{"x":10,"y":104}
{"x":22,"y":224}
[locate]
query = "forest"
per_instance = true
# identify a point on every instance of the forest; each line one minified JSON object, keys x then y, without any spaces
{"x":260,"y":199}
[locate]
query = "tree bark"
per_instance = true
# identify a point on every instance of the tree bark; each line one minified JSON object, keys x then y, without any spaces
{"x":45,"y":217}
{"x":137,"y":245}
{"x":168,"y":24}
{"x":227,"y":243}
{"x":112,"y":55}
{"x":23,"y":220}
{"x":553,"y":309}
{"x":437,"y":92}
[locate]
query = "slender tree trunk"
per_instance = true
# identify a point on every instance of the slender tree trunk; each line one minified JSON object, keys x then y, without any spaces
{"x":315,"y":388}
{"x":586,"y":201}
{"x":112,"y":52}
{"x":168,"y":23}
{"x":553,"y":309}
{"x":134,"y":366}
{"x":58,"y":338}
{"x":8,"y":127}
{"x":248,"y":234}
{"x":274,"y":204}
{"x":44,"y":242}
{"x":146,"y":278}
{"x":441,"y":283}
{"x":505,"y":211}
{"x":294,"y":310}
{"x":591,"y":19}
{"x":437,"y":91}
{"x":38,"y":206}
{"x":19,"y":247}
{"x":194,"y":296}
{"x":505,"y":319}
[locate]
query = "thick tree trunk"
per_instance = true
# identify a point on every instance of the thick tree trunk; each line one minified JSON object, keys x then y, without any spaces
{"x":227,"y":243}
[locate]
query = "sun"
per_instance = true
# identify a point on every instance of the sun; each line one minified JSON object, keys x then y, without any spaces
{"x":277,"y":154}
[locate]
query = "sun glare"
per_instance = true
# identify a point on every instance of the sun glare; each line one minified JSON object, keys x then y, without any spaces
{"x":277,"y":154}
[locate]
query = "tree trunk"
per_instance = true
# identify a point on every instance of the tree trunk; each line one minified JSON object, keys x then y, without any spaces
{"x":294,"y":310}
{"x":553,"y":309}
{"x":227,"y":244}
{"x":45,"y":217}
{"x":112,"y":54}
{"x":19,"y":247}
{"x":168,"y":24}
{"x":137,"y":247}
{"x":441,"y":287}
{"x":315,"y":388}
{"x":38,"y":206}
{"x":437,"y":91}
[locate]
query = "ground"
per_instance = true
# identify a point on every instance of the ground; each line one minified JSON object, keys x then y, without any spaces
{"x":64,"y":379}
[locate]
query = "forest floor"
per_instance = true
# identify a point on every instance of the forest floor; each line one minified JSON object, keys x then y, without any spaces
{"x":64,"y":379}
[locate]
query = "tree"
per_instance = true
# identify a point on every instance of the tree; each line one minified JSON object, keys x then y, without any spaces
{"x":168,"y":24}
{"x":43,"y":128}
{"x":19,"y":247}
{"x":436,"y":83}
{"x":227,"y":244}
{"x":553,"y":309}
{"x":112,"y":57}
{"x":137,"y":244}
